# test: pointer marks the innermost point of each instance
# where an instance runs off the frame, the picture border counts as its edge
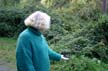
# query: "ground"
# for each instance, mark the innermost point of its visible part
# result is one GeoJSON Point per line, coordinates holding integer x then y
{"type": "Point", "coordinates": [7, 54]}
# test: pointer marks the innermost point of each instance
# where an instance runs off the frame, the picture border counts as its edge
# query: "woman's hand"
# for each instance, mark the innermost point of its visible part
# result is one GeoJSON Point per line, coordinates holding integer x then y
{"type": "Point", "coordinates": [64, 58]}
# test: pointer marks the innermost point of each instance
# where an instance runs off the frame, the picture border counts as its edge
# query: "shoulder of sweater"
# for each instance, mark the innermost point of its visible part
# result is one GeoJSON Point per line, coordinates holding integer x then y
{"type": "Point", "coordinates": [25, 34]}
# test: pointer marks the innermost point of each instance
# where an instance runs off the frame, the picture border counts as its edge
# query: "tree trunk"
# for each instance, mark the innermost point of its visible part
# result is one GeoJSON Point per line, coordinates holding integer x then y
{"type": "Point", "coordinates": [104, 7]}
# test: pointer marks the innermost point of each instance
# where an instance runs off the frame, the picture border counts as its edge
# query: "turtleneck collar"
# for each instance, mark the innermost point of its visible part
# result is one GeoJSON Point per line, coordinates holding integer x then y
{"type": "Point", "coordinates": [34, 30]}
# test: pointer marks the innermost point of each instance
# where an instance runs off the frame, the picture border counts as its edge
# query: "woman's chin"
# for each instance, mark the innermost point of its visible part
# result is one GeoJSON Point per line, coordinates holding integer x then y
{"type": "Point", "coordinates": [44, 30]}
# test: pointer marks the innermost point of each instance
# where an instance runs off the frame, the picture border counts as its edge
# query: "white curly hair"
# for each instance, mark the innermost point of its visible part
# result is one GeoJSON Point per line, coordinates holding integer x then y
{"type": "Point", "coordinates": [37, 18]}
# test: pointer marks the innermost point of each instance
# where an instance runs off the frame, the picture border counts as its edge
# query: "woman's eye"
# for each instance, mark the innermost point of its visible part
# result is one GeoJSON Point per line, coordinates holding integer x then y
{"type": "Point", "coordinates": [32, 20]}
{"type": "Point", "coordinates": [42, 24]}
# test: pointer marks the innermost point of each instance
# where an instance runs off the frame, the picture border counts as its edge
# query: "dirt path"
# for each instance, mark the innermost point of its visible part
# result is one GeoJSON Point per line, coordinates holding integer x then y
{"type": "Point", "coordinates": [3, 67]}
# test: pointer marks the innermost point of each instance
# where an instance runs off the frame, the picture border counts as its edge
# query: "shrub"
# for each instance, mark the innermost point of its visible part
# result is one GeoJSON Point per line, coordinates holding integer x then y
{"type": "Point", "coordinates": [11, 20]}
{"type": "Point", "coordinates": [80, 64]}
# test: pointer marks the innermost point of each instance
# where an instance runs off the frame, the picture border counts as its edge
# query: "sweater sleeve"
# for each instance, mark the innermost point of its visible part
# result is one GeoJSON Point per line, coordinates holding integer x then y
{"type": "Point", "coordinates": [54, 55]}
{"type": "Point", "coordinates": [24, 55]}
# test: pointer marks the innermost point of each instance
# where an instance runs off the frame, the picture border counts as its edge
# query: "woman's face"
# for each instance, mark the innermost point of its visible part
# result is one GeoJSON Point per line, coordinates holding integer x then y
{"type": "Point", "coordinates": [42, 27]}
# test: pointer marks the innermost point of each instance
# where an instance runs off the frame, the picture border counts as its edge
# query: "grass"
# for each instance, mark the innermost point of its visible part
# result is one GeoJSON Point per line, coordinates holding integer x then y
{"type": "Point", "coordinates": [7, 51]}
{"type": "Point", "coordinates": [76, 63]}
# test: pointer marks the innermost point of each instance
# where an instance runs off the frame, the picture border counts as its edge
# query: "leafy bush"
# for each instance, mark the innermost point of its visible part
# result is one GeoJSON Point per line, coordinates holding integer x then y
{"type": "Point", "coordinates": [11, 20]}
{"type": "Point", "coordinates": [80, 64]}
{"type": "Point", "coordinates": [89, 39]}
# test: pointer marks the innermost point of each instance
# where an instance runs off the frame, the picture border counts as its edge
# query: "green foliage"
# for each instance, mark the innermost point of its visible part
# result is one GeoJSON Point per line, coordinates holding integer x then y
{"type": "Point", "coordinates": [90, 40]}
{"type": "Point", "coordinates": [11, 19]}
{"type": "Point", "coordinates": [9, 3]}
{"type": "Point", "coordinates": [80, 64]}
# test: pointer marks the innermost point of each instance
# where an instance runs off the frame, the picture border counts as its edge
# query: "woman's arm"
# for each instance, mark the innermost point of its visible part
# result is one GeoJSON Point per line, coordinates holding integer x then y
{"type": "Point", "coordinates": [54, 55]}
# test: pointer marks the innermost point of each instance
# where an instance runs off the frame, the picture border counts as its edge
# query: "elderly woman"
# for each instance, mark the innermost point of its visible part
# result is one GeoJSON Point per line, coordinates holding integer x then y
{"type": "Point", "coordinates": [33, 52]}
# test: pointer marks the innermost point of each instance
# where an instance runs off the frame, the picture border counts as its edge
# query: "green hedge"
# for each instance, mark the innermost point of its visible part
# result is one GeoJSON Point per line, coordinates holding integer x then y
{"type": "Point", "coordinates": [88, 38]}
{"type": "Point", "coordinates": [11, 22]}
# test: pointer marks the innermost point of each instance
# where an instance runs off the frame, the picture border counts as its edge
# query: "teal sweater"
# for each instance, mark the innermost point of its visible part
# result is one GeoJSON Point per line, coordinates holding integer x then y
{"type": "Point", "coordinates": [33, 52]}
